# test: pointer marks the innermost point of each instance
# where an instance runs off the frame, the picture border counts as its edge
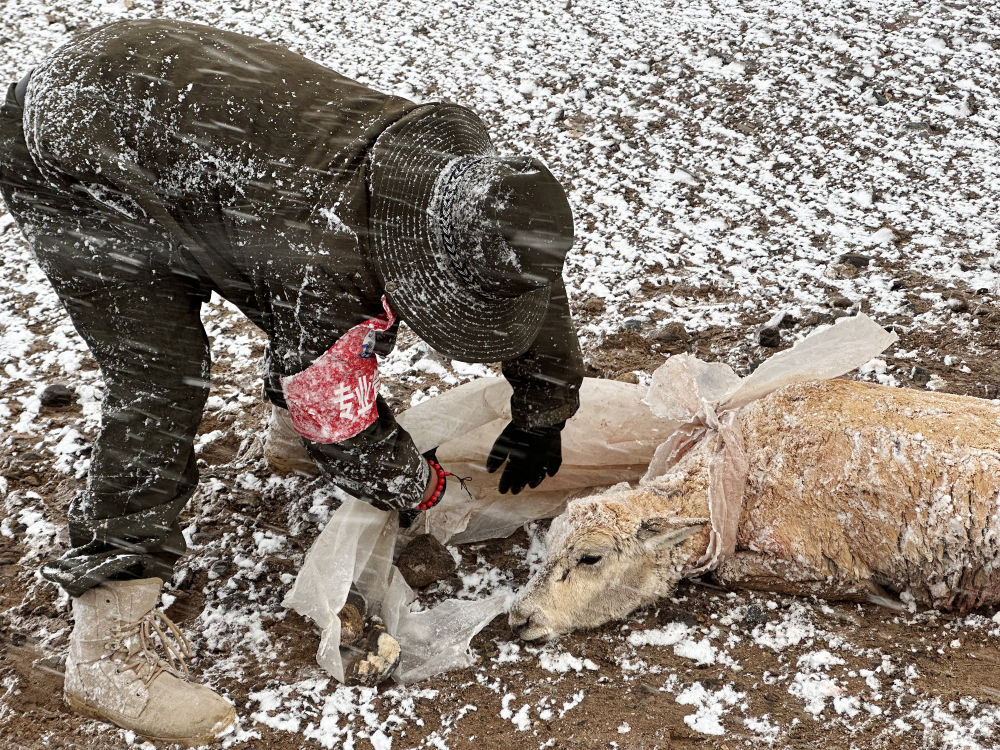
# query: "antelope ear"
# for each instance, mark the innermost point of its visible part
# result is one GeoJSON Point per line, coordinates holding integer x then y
{"type": "Point", "coordinates": [657, 533]}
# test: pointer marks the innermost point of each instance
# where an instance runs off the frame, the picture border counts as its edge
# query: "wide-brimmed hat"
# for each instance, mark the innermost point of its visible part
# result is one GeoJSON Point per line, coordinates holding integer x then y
{"type": "Point", "coordinates": [468, 243]}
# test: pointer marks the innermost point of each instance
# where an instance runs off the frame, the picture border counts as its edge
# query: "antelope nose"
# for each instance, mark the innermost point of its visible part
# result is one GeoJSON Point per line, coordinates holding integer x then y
{"type": "Point", "coordinates": [519, 622]}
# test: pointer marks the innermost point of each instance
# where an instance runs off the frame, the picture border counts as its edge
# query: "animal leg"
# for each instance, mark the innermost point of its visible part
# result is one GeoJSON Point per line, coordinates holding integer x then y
{"type": "Point", "coordinates": [758, 572]}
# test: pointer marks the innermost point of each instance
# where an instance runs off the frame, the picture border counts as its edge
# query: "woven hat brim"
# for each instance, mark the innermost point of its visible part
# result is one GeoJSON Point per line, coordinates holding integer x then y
{"type": "Point", "coordinates": [444, 309]}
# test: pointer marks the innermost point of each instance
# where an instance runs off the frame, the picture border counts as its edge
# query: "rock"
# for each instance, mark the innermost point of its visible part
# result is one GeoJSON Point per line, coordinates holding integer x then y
{"type": "Point", "coordinates": [672, 333]}
{"type": "Point", "coordinates": [753, 617]}
{"type": "Point", "coordinates": [784, 321]}
{"type": "Point", "coordinates": [769, 337]}
{"type": "Point", "coordinates": [683, 616]}
{"type": "Point", "coordinates": [958, 304]}
{"type": "Point", "coordinates": [840, 271]}
{"type": "Point", "coordinates": [632, 324]}
{"type": "Point", "coordinates": [841, 302]}
{"type": "Point", "coordinates": [57, 395]}
{"type": "Point", "coordinates": [219, 569]}
{"type": "Point", "coordinates": [247, 498]}
{"type": "Point", "coordinates": [920, 375]}
{"type": "Point", "coordinates": [817, 319]}
{"type": "Point", "coordinates": [856, 259]}
{"type": "Point", "coordinates": [425, 561]}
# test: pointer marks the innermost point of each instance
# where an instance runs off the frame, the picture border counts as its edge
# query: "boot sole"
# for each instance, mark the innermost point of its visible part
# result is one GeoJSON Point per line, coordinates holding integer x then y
{"type": "Point", "coordinates": [92, 712]}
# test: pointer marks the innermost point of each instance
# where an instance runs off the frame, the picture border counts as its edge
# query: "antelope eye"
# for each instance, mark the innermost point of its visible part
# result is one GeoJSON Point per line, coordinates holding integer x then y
{"type": "Point", "coordinates": [590, 559]}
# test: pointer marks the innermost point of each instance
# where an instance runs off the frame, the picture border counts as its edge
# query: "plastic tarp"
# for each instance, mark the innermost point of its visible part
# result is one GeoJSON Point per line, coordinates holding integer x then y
{"type": "Point", "coordinates": [711, 395]}
{"type": "Point", "coordinates": [621, 433]}
{"type": "Point", "coordinates": [611, 439]}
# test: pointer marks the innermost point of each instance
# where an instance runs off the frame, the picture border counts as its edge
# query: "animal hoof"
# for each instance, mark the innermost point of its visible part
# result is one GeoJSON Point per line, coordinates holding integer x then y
{"type": "Point", "coordinates": [352, 619]}
{"type": "Point", "coordinates": [378, 660]}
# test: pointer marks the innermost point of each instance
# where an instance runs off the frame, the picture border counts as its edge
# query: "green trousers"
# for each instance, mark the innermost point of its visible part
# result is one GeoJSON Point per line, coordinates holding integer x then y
{"type": "Point", "coordinates": [137, 309]}
{"type": "Point", "coordinates": [141, 322]}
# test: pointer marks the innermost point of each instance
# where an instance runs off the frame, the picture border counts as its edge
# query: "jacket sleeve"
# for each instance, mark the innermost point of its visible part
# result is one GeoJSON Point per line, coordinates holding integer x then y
{"type": "Point", "coordinates": [379, 465]}
{"type": "Point", "coordinates": [546, 379]}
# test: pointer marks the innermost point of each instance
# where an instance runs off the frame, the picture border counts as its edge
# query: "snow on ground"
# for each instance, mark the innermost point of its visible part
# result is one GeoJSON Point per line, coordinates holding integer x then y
{"type": "Point", "coordinates": [729, 165]}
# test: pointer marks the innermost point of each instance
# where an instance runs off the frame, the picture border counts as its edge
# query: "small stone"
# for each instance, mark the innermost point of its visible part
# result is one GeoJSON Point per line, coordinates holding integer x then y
{"type": "Point", "coordinates": [840, 271]}
{"type": "Point", "coordinates": [219, 569]}
{"type": "Point", "coordinates": [769, 337]}
{"type": "Point", "coordinates": [683, 616]}
{"type": "Point", "coordinates": [958, 304]}
{"type": "Point", "coordinates": [57, 395]}
{"type": "Point", "coordinates": [199, 538]}
{"type": "Point", "coordinates": [425, 561]}
{"type": "Point", "coordinates": [856, 259]}
{"type": "Point", "coordinates": [840, 302]}
{"type": "Point", "coordinates": [787, 320]}
{"type": "Point", "coordinates": [632, 324]}
{"type": "Point", "coordinates": [672, 333]}
{"type": "Point", "coordinates": [247, 498]}
{"type": "Point", "coordinates": [920, 375]}
{"type": "Point", "coordinates": [753, 617]}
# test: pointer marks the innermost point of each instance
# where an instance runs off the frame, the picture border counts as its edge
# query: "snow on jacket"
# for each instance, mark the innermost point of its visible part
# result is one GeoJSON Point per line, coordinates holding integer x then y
{"type": "Point", "coordinates": [253, 160]}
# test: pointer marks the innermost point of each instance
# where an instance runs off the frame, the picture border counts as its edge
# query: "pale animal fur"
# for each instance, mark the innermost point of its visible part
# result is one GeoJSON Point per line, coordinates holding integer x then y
{"type": "Point", "coordinates": [855, 491]}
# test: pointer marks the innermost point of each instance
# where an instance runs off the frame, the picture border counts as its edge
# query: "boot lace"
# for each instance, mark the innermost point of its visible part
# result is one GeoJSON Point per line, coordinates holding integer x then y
{"type": "Point", "coordinates": [137, 642]}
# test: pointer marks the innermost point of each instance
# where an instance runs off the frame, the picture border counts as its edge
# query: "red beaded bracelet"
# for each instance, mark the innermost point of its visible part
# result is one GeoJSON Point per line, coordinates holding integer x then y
{"type": "Point", "coordinates": [439, 490]}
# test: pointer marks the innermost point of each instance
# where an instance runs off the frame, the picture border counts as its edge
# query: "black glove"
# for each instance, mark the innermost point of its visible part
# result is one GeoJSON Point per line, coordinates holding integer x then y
{"type": "Point", "coordinates": [533, 453]}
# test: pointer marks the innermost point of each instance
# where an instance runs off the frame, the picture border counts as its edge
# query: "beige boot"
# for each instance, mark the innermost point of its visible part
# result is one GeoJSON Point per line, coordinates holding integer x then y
{"type": "Point", "coordinates": [113, 673]}
{"type": "Point", "coordinates": [283, 446]}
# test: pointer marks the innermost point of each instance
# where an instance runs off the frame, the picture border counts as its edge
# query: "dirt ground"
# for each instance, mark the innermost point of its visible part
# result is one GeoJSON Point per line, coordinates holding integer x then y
{"type": "Point", "coordinates": [623, 686]}
{"type": "Point", "coordinates": [732, 167]}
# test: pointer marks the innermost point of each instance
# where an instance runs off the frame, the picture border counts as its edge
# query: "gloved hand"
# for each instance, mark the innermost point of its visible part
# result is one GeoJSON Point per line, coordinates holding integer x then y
{"type": "Point", "coordinates": [533, 453]}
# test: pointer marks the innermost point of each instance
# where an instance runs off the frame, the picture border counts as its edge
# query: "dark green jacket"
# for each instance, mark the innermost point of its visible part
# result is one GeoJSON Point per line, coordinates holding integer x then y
{"type": "Point", "coordinates": [253, 161]}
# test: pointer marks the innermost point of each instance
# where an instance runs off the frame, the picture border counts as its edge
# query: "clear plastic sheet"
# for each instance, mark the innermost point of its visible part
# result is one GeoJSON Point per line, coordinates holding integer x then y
{"type": "Point", "coordinates": [707, 397]}
{"type": "Point", "coordinates": [621, 433]}
{"type": "Point", "coordinates": [610, 440]}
